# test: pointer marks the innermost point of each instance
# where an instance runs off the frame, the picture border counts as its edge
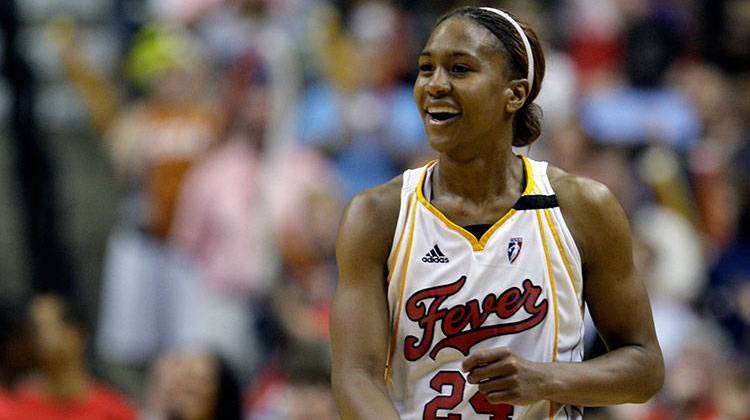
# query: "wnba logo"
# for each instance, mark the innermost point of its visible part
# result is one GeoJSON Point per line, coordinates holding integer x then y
{"type": "Point", "coordinates": [514, 248]}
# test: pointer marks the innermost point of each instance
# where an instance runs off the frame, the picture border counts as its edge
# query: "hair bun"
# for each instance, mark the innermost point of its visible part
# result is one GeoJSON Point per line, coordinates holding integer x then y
{"type": "Point", "coordinates": [527, 125]}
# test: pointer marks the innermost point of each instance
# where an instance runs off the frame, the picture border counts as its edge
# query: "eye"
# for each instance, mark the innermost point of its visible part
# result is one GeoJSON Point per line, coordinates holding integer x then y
{"type": "Point", "coordinates": [425, 67]}
{"type": "Point", "coordinates": [460, 68]}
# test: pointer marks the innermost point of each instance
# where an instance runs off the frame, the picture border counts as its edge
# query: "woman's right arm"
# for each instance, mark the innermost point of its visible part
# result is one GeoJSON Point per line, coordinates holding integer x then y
{"type": "Point", "coordinates": [359, 318]}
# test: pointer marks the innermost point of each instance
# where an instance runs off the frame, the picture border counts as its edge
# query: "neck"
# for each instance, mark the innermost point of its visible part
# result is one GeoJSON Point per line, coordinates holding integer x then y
{"type": "Point", "coordinates": [64, 382]}
{"type": "Point", "coordinates": [480, 178]}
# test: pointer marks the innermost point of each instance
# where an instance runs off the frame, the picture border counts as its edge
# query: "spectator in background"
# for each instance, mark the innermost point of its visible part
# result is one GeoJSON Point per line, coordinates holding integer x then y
{"type": "Point", "coordinates": [709, 163]}
{"type": "Point", "coordinates": [239, 32]}
{"type": "Point", "coordinates": [246, 210]}
{"type": "Point", "coordinates": [150, 298]}
{"type": "Point", "coordinates": [720, 166]}
{"type": "Point", "coordinates": [675, 320]}
{"type": "Point", "coordinates": [62, 387]}
{"type": "Point", "coordinates": [732, 393]}
{"type": "Point", "coordinates": [668, 225]}
{"type": "Point", "coordinates": [362, 113]}
{"type": "Point", "coordinates": [222, 223]}
{"type": "Point", "coordinates": [728, 293]}
{"type": "Point", "coordinates": [294, 386]}
{"type": "Point", "coordinates": [152, 144]}
{"type": "Point", "coordinates": [623, 51]}
{"type": "Point", "coordinates": [154, 140]}
{"type": "Point", "coordinates": [308, 212]}
{"type": "Point", "coordinates": [193, 385]}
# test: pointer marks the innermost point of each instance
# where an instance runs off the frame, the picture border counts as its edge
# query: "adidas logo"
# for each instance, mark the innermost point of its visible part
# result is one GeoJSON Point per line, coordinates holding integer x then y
{"type": "Point", "coordinates": [435, 256]}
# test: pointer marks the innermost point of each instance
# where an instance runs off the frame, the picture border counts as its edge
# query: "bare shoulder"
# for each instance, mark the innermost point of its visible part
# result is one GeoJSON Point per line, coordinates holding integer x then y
{"type": "Point", "coordinates": [580, 190]}
{"type": "Point", "coordinates": [591, 211]}
{"type": "Point", "coordinates": [378, 205]}
{"type": "Point", "coordinates": [370, 220]}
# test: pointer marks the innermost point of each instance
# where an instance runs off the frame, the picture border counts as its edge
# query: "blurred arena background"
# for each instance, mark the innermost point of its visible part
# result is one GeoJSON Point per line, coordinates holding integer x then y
{"type": "Point", "coordinates": [172, 174]}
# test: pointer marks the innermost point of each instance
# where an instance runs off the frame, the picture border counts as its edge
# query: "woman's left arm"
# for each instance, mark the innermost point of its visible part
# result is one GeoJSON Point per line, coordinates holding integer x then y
{"type": "Point", "coordinates": [632, 370]}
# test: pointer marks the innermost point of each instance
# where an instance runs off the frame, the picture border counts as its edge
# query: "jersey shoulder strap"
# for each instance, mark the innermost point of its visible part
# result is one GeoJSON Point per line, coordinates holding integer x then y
{"type": "Point", "coordinates": [409, 184]}
{"type": "Point", "coordinates": [541, 195]}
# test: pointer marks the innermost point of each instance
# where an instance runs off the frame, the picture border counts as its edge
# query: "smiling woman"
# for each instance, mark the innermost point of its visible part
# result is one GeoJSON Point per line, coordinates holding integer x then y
{"type": "Point", "coordinates": [465, 59]}
{"type": "Point", "coordinates": [463, 283]}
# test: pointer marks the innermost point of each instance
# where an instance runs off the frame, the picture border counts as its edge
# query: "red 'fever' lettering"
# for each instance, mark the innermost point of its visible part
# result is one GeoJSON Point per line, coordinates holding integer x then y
{"type": "Point", "coordinates": [455, 319]}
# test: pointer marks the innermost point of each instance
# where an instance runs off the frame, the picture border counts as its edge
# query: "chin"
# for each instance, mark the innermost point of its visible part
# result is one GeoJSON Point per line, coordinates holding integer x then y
{"type": "Point", "coordinates": [441, 144]}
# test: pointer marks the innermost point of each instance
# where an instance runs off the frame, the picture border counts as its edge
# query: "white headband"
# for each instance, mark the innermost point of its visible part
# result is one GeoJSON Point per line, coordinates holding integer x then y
{"type": "Point", "coordinates": [526, 43]}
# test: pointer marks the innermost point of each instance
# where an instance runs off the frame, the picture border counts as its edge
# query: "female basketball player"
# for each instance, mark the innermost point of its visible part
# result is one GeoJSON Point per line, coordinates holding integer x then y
{"type": "Point", "coordinates": [462, 283]}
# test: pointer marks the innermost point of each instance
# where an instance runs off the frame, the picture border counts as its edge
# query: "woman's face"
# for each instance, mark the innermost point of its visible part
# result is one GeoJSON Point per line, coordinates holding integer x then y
{"type": "Point", "coordinates": [186, 385]}
{"type": "Point", "coordinates": [57, 341]}
{"type": "Point", "coordinates": [462, 87]}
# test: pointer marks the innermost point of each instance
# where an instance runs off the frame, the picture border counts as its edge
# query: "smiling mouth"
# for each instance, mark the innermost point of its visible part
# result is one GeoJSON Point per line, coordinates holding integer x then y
{"type": "Point", "coordinates": [442, 117]}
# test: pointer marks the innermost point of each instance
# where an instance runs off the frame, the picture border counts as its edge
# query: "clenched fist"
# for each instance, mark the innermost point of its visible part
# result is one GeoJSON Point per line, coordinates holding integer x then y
{"type": "Point", "coordinates": [504, 377]}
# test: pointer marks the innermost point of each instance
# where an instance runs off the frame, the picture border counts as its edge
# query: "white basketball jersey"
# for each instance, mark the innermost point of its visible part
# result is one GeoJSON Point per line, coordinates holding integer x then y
{"type": "Point", "coordinates": [450, 294]}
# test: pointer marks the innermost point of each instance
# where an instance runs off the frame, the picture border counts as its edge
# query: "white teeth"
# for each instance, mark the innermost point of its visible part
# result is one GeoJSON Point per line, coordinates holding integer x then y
{"type": "Point", "coordinates": [441, 110]}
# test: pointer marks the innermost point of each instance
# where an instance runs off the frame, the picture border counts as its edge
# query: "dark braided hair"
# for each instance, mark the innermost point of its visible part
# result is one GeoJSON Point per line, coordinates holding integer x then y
{"type": "Point", "coordinates": [527, 123]}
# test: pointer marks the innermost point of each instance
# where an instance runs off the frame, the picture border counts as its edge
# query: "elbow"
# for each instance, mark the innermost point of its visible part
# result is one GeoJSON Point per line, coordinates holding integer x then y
{"type": "Point", "coordinates": [652, 381]}
{"type": "Point", "coordinates": [341, 382]}
{"type": "Point", "coordinates": [352, 379]}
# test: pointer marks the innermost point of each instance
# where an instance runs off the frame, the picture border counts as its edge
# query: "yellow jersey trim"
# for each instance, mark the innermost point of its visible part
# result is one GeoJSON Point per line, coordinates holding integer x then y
{"type": "Point", "coordinates": [476, 244]}
{"type": "Point", "coordinates": [551, 280]}
{"type": "Point", "coordinates": [563, 254]}
{"type": "Point", "coordinates": [394, 334]}
{"type": "Point", "coordinates": [392, 260]}
{"type": "Point", "coordinates": [530, 184]}
{"type": "Point", "coordinates": [553, 408]}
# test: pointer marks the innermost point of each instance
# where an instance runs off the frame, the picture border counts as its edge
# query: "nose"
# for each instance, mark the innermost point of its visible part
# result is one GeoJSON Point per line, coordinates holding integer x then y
{"type": "Point", "coordinates": [438, 83]}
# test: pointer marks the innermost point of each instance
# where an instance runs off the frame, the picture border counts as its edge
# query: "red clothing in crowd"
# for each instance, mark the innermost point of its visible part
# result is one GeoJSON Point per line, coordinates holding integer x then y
{"type": "Point", "coordinates": [6, 406]}
{"type": "Point", "coordinates": [101, 403]}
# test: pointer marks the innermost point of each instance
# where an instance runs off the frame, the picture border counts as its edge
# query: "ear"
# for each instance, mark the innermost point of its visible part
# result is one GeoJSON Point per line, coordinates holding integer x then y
{"type": "Point", "coordinates": [516, 93]}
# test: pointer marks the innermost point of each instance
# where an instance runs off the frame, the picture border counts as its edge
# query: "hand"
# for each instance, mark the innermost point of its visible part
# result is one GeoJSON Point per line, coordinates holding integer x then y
{"type": "Point", "coordinates": [503, 377]}
{"type": "Point", "coordinates": [63, 31]}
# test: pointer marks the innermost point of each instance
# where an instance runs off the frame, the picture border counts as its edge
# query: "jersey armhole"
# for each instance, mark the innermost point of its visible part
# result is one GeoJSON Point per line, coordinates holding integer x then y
{"type": "Point", "coordinates": [410, 180]}
{"type": "Point", "coordinates": [567, 240]}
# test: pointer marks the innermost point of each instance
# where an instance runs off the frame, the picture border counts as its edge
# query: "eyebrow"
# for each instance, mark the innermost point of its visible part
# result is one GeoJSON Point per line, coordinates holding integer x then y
{"type": "Point", "coordinates": [427, 53]}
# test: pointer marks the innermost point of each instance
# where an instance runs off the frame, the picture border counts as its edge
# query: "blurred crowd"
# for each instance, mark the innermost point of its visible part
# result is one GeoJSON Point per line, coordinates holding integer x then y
{"type": "Point", "coordinates": [235, 132]}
